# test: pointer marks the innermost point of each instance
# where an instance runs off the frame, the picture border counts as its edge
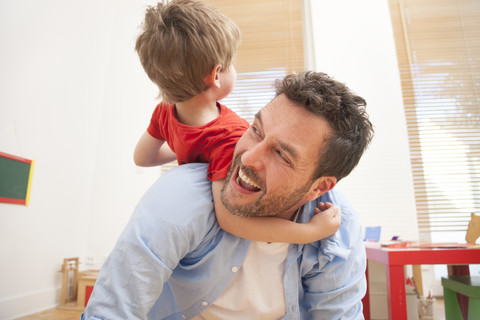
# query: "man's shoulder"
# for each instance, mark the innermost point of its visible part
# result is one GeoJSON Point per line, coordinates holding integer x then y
{"type": "Point", "coordinates": [191, 172]}
{"type": "Point", "coordinates": [187, 180]}
{"type": "Point", "coordinates": [182, 191]}
{"type": "Point", "coordinates": [337, 197]}
{"type": "Point", "coordinates": [349, 234]}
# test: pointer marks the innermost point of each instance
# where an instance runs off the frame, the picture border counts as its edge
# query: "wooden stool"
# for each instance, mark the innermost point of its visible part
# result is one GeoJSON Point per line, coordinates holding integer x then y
{"type": "Point", "coordinates": [69, 280]}
{"type": "Point", "coordinates": [86, 281]}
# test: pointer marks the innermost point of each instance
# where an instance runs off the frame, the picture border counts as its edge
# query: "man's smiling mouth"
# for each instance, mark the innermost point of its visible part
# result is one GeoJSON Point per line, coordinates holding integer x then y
{"type": "Point", "coordinates": [246, 183]}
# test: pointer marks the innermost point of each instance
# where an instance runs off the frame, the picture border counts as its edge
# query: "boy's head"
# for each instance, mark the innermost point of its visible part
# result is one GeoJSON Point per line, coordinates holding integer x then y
{"type": "Point", "coordinates": [181, 43]}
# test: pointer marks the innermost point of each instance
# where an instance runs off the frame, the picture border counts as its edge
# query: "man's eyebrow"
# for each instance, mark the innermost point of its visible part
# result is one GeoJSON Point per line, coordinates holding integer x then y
{"type": "Point", "coordinates": [284, 146]}
{"type": "Point", "coordinates": [258, 116]}
{"type": "Point", "coordinates": [289, 149]}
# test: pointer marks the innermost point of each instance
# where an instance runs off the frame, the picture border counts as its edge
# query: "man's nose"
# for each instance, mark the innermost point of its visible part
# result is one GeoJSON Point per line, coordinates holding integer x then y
{"type": "Point", "coordinates": [255, 156]}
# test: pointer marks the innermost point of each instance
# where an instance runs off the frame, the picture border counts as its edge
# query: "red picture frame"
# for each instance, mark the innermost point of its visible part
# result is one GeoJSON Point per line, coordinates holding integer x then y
{"type": "Point", "coordinates": [15, 179]}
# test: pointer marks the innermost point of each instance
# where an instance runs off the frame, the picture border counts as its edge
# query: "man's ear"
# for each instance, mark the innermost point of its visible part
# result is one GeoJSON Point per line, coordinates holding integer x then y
{"type": "Point", "coordinates": [213, 78]}
{"type": "Point", "coordinates": [321, 186]}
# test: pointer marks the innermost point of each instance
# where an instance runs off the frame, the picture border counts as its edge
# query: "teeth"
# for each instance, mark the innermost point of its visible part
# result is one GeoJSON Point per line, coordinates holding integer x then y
{"type": "Point", "coordinates": [242, 176]}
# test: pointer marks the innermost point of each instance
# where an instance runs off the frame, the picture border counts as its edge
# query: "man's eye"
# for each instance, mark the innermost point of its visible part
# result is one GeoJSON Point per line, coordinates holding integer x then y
{"type": "Point", "coordinates": [255, 130]}
{"type": "Point", "coordinates": [282, 155]}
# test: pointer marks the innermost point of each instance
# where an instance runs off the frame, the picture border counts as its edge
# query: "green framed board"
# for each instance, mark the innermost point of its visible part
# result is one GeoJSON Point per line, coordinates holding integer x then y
{"type": "Point", "coordinates": [15, 178]}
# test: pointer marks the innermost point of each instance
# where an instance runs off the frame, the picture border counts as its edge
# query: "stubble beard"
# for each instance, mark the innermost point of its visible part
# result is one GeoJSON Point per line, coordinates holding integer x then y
{"type": "Point", "coordinates": [265, 205]}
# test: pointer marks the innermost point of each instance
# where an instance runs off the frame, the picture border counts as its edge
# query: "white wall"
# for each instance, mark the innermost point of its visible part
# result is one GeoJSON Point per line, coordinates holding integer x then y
{"type": "Point", "coordinates": [74, 98]}
{"type": "Point", "coordinates": [353, 42]}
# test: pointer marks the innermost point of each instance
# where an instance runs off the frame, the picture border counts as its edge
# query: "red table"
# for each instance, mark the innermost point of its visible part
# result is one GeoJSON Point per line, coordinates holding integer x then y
{"type": "Point", "coordinates": [395, 259]}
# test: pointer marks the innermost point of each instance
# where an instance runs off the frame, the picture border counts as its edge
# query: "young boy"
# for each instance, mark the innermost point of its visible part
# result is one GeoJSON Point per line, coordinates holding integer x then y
{"type": "Point", "coordinates": [186, 48]}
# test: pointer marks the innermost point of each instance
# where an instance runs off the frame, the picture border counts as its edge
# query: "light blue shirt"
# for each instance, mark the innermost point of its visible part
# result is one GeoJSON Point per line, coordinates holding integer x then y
{"type": "Point", "coordinates": [173, 260]}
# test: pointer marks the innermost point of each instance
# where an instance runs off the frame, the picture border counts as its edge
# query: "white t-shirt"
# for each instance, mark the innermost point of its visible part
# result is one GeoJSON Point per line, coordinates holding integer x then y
{"type": "Point", "coordinates": [256, 292]}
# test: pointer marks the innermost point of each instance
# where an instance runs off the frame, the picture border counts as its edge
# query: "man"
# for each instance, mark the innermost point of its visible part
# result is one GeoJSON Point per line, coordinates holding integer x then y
{"type": "Point", "coordinates": [174, 262]}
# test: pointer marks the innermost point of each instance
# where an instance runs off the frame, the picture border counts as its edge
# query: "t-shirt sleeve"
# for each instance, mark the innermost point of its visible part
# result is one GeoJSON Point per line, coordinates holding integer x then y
{"type": "Point", "coordinates": [221, 153]}
{"type": "Point", "coordinates": [222, 156]}
{"type": "Point", "coordinates": [154, 126]}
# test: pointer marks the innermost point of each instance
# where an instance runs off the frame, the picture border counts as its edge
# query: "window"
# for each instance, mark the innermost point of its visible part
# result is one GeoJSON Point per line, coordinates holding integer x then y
{"type": "Point", "coordinates": [438, 50]}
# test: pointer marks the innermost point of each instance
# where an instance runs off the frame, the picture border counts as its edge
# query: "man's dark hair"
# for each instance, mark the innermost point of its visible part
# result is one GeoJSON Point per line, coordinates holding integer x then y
{"type": "Point", "coordinates": [345, 112]}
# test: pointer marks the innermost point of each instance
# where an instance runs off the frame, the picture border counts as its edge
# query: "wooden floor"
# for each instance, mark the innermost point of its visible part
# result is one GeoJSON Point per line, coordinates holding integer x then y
{"type": "Point", "coordinates": [57, 314]}
{"type": "Point", "coordinates": [439, 310]}
{"type": "Point", "coordinates": [54, 314]}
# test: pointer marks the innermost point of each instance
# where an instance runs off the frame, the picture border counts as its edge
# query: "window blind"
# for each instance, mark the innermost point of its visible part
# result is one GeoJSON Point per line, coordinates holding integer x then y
{"type": "Point", "coordinates": [438, 51]}
{"type": "Point", "coordinates": [271, 47]}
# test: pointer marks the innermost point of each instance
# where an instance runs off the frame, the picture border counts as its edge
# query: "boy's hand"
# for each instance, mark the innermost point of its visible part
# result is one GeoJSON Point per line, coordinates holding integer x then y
{"type": "Point", "coordinates": [326, 220]}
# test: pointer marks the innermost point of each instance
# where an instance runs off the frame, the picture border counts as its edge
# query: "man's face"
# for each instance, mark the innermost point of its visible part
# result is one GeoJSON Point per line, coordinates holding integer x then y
{"type": "Point", "coordinates": [273, 162]}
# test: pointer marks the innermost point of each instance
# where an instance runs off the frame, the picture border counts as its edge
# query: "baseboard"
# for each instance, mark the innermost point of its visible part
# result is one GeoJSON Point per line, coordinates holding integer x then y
{"type": "Point", "coordinates": [21, 306]}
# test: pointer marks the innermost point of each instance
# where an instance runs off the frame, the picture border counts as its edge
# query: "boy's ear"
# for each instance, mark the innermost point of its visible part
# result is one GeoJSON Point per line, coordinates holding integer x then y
{"type": "Point", "coordinates": [321, 186]}
{"type": "Point", "coordinates": [213, 78]}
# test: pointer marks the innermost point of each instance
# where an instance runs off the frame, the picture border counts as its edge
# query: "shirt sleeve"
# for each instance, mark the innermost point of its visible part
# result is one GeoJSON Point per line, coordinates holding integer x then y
{"type": "Point", "coordinates": [336, 284]}
{"type": "Point", "coordinates": [162, 230]}
{"type": "Point", "coordinates": [154, 127]}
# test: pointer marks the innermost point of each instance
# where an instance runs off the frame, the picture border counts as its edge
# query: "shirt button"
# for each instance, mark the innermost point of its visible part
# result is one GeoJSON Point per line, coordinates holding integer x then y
{"type": "Point", "coordinates": [234, 269]}
{"type": "Point", "coordinates": [204, 303]}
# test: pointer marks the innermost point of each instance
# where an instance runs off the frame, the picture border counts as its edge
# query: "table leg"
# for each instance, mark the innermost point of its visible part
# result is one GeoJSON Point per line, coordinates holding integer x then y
{"type": "Point", "coordinates": [417, 277]}
{"type": "Point", "coordinates": [397, 302]}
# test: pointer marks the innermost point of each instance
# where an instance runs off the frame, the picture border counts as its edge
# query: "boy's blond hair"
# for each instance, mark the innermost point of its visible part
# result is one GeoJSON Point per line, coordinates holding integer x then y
{"type": "Point", "coordinates": [180, 44]}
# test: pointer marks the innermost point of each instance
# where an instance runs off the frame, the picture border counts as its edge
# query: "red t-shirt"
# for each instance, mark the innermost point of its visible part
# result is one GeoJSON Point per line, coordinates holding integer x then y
{"type": "Point", "coordinates": [211, 143]}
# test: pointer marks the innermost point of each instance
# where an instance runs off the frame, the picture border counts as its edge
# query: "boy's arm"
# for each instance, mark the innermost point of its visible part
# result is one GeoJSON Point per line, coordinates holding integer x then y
{"type": "Point", "coordinates": [272, 229]}
{"type": "Point", "coordinates": [151, 152]}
